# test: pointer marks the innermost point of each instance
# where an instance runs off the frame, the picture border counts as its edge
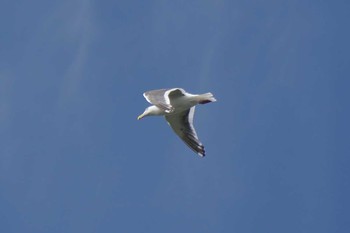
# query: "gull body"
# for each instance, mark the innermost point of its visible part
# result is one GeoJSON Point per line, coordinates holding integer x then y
{"type": "Point", "coordinates": [178, 107]}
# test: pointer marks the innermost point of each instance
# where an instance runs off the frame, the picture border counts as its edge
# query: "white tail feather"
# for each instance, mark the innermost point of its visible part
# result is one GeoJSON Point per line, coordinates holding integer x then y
{"type": "Point", "coordinates": [206, 98]}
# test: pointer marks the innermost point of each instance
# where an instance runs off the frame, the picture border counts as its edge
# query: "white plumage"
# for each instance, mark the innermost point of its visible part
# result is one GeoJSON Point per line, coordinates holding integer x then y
{"type": "Point", "coordinates": [178, 107]}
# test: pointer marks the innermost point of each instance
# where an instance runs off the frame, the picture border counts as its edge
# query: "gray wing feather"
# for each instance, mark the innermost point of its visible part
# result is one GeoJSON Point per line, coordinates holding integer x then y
{"type": "Point", "coordinates": [175, 93]}
{"type": "Point", "coordinates": [182, 124]}
{"type": "Point", "coordinates": [162, 97]}
{"type": "Point", "coordinates": [157, 97]}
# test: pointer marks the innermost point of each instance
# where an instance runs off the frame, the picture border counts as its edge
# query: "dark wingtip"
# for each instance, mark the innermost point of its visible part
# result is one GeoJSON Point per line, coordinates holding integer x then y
{"type": "Point", "coordinates": [205, 101]}
{"type": "Point", "coordinates": [201, 153]}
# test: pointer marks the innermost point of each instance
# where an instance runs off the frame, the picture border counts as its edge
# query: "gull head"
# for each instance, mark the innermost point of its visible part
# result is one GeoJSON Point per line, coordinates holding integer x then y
{"type": "Point", "coordinates": [151, 111]}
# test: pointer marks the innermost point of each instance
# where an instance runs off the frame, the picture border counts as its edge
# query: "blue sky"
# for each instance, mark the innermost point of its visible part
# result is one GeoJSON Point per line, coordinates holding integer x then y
{"type": "Point", "coordinates": [73, 157]}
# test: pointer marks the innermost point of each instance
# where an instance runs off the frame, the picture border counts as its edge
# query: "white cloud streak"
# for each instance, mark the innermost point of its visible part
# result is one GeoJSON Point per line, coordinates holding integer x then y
{"type": "Point", "coordinates": [79, 29]}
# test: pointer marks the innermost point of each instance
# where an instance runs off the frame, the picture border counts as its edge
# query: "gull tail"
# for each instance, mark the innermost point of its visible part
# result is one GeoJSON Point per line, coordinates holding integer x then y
{"type": "Point", "coordinates": [206, 98]}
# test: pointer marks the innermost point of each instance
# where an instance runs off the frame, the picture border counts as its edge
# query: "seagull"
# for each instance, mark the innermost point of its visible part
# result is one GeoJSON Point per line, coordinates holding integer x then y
{"type": "Point", "coordinates": [178, 108]}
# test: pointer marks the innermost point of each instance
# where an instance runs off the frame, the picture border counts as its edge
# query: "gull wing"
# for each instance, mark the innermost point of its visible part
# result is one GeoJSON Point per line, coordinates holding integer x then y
{"type": "Point", "coordinates": [174, 93]}
{"type": "Point", "coordinates": [182, 124]}
{"type": "Point", "coordinates": [161, 98]}
{"type": "Point", "coordinates": [157, 98]}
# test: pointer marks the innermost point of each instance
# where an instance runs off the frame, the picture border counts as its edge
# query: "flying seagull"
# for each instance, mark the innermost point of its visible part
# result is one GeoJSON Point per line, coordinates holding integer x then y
{"type": "Point", "coordinates": [178, 108]}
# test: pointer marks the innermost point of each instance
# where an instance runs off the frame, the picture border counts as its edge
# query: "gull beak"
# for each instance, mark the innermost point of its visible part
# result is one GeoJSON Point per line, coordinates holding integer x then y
{"type": "Point", "coordinates": [140, 117]}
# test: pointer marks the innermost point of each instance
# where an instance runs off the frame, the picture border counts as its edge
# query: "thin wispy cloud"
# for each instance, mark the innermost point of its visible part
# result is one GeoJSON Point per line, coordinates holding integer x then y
{"type": "Point", "coordinates": [78, 30]}
{"type": "Point", "coordinates": [5, 121]}
{"type": "Point", "coordinates": [5, 99]}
